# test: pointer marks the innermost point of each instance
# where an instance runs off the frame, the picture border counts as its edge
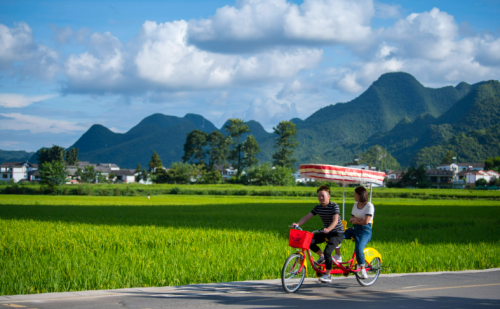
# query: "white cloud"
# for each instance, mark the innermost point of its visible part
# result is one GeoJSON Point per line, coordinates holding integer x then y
{"type": "Point", "coordinates": [12, 100]}
{"type": "Point", "coordinates": [61, 35]}
{"type": "Point", "coordinates": [256, 24]}
{"type": "Point", "coordinates": [385, 11]}
{"type": "Point", "coordinates": [429, 35]}
{"type": "Point", "coordinates": [17, 122]}
{"type": "Point", "coordinates": [161, 58]}
{"type": "Point", "coordinates": [269, 112]}
{"type": "Point", "coordinates": [428, 46]}
{"type": "Point", "coordinates": [19, 55]}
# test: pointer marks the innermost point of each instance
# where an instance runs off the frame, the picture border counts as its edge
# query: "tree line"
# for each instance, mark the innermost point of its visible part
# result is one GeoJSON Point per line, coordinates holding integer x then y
{"type": "Point", "coordinates": [203, 152]}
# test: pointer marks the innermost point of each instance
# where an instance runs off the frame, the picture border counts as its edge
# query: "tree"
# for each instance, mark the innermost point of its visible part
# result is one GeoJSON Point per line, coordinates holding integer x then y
{"type": "Point", "coordinates": [250, 149]}
{"type": "Point", "coordinates": [88, 174]}
{"type": "Point", "coordinates": [138, 173]}
{"type": "Point", "coordinates": [415, 177]}
{"type": "Point", "coordinates": [448, 158]}
{"type": "Point", "coordinates": [99, 177]}
{"type": "Point", "coordinates": [211, 177]}
{"type": "Point", "coordinates": [54, 153]}
{"type": "Point", "coordinates": [111, 177]}
{"type": "Point", "coordinates": [494, 181]}
{"type": "Point", "coordinates": [492, 163]}
{"type": "Point", "coordinates": [145, 175]}
{"type": "Point", "coordinates": [155, 162]}
{"type": "Point", "coordinates": [236, 128]}
{"type": "Point", "coordinates": [53, 174]}
{"type": "Point", "coordinates": [71, 156]}
{"type": "Point", "coordinates": [285, 143]}
{"type": "Point", "coordinates": [264, 175]}
{"type": "Point", "coordinates": [194, 147]}
{"type": "Point", "coordinates": [481, 182]}
{"type": "Point", "coordinates": [218, 149]}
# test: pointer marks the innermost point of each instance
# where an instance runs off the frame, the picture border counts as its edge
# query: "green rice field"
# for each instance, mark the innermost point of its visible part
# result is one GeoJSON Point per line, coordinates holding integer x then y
{"type": "Point", "coordinates": [71, 243]}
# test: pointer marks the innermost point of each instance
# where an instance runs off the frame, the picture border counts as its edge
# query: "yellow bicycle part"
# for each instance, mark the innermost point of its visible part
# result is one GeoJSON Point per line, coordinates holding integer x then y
{"type": "Point", "coordinates": [370, 254]}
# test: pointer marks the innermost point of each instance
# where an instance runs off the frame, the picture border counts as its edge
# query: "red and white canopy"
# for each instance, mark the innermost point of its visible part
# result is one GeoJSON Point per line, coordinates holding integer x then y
{"type": "Point", "coordinates": [340, 174]}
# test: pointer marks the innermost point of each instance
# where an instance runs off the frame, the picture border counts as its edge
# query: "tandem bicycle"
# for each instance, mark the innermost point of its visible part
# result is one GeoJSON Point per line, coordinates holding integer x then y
{"type": "Point", "coordinates": [295, 267]}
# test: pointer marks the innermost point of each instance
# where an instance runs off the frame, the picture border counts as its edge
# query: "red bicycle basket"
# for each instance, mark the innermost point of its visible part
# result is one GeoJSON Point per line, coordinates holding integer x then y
{"type": "Point", "coordinates": [300, 239]}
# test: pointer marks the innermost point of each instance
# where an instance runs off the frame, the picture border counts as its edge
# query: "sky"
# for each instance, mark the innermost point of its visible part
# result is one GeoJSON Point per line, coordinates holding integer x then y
{"type": "Point", "coordinates": [66, 65]}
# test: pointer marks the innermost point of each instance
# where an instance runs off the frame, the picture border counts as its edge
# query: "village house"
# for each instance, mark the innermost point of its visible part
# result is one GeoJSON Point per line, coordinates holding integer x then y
{"type": "Point", "coordinates": [17, 171]}
{"type": "Point", "coordinates": [25, 171]}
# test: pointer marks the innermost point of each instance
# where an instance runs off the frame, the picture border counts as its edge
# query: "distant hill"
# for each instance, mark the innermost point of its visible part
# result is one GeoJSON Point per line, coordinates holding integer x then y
{"type": "Point", "coordinates": [327, 134]}
{"type": "Point", "coordinates": [161, 133]}
{"type": "Point", "coordinates": [478, 109]}
{"type": "Point", "coordinates": [473, 146]}
{"type": "Point", "coordinates": [396, 112]}
{"type": "Point", "coordinates": [14, 156]}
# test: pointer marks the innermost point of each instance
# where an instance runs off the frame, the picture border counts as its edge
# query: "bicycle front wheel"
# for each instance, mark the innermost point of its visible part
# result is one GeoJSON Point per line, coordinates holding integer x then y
{"type": "Point", "coordinates": [372, 270]}
{"type": "Point", "coordinates": [291, 278]}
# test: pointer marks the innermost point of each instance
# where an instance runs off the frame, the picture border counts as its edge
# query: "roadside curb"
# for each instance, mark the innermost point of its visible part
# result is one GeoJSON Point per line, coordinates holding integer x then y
{"type": "Point", "coordinates": [193, 287]}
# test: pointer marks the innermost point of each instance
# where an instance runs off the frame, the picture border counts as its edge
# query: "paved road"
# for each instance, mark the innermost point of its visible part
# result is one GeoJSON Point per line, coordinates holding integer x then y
{"type": "Point", "coordinates": [468, 289]}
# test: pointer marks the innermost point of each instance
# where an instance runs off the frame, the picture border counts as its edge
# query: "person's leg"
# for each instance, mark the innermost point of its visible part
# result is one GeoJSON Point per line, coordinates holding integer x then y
{"type": "Point", "coordinates": [333, 241]}
{"type": "Point", "coordinates": [318, 238]}
{"type": "Point", "coordinates": [364, 236]}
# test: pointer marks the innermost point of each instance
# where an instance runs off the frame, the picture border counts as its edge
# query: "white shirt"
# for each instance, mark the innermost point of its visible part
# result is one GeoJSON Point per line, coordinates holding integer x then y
{"type": "Point", "coordinates": [368, 209]}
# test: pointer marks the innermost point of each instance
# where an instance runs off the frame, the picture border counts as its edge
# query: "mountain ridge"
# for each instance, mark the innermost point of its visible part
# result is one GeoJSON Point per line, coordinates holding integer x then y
{"type": "Point", "coordinates": [332, 135]}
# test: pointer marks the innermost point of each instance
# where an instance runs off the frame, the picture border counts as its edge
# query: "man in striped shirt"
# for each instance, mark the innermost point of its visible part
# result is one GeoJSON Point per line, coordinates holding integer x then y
{"type": "Point", "coordinates": [332, 233]}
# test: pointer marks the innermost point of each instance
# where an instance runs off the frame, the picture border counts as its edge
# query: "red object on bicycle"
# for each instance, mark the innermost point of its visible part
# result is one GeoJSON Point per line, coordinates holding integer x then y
{"type": "Point", "coordinates": [300, 239]}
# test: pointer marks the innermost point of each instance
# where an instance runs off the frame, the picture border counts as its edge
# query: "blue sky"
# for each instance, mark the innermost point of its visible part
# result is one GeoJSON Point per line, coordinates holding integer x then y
{"type": "Point", "coordinates": [65, 65]}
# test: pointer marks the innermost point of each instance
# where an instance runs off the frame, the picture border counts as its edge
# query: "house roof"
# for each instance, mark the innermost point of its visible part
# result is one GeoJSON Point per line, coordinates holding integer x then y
{"type": "Point", "coordinates": [108, 165]}
{"type": "Point", "coordinates": [436, 172]}
{"type": "Point", "coordinates": [124, 172]}
{"type": "Point", "coordinates": [13, 164]}
{"type": "Point", "coordinates": [394, 172]}
{"type": "Point", "coordinates": [463, 173]}
{"type": "Point", "coordinates": [471, 164]}
{"type": "Point", "coordinates": [493, 173]}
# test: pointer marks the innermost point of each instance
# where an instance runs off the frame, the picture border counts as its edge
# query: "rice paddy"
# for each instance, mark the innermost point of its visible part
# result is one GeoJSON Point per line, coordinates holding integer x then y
{"type": "Point", "coordinates": [71, 243]}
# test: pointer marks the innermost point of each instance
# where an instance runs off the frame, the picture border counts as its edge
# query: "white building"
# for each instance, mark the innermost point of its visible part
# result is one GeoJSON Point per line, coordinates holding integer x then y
{"type": "Point", "coordinates": [17, 171]}
{"type": "Point", "coordinates": [458, 167]}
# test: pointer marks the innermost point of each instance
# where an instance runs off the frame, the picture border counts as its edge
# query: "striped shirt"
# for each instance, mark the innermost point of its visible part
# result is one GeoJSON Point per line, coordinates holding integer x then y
{"type": "Point", "coordinates": [326, 213]}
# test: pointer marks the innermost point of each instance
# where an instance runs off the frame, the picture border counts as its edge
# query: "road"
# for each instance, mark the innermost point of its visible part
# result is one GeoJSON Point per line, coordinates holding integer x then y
{"type": "Point", "coordinates": [467, 289]}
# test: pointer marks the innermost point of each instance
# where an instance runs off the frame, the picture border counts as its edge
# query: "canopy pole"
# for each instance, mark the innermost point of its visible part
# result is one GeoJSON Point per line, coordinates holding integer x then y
{"type": "Point", "coordinates": [370, 192]}
{"type": "Point", "coordinates": [343, 200]}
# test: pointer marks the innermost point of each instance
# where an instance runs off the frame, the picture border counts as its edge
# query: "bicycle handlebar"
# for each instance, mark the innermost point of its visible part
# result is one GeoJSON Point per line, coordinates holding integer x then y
{"type": "Point", "coordinates": [300, 229]}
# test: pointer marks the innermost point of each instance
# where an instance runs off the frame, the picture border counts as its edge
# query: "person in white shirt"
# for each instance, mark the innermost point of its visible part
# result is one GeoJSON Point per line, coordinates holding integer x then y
{"type": "Point", "coordinates": [361, 218]}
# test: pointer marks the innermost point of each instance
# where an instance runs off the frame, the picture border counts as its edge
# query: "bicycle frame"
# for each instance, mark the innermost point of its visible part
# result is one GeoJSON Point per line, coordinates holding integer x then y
{"type": "Point", "coordinates": [340, 270]}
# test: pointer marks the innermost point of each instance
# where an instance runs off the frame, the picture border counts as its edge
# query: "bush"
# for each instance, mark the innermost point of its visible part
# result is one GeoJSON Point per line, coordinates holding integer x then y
{"type": "Point", "coordinates": [481, 182]}
{"type": "Point", "coordinates": [264, 175]}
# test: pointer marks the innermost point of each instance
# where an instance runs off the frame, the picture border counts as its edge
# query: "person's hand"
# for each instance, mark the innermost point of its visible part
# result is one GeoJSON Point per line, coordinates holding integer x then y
{"type": "Point", "coordinates": [295, 225]}
{"type": "Point", "coordinates": [325, 230]}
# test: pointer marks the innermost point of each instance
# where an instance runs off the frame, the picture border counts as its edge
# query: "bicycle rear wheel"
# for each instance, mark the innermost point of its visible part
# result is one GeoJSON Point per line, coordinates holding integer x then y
{"type": "Point", "coordinates": [373, 271]}
{"type": "Point", "coordinates": [291, 279]}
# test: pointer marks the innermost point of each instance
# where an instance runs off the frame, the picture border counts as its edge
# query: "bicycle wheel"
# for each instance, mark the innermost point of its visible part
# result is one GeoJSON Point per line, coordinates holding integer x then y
{"type": "Point", "coordinates": [291, 279]}
{"type": "Point", "coordinates": [373, 272]}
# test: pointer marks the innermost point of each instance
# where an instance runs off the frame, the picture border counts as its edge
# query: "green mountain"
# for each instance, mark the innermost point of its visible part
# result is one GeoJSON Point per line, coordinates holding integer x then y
{"type": "Point", "coordinates": [14, 156]}
{"type": "Point", "coordinates": [380, 158]}
{"type": "Point", "coordinates": [161, 133]}
{"type": "Point", "coordinates": [396, 112]}
{"type": "Point", "coordinates": [474, 146]}
{"type": "Point", "coordinates": [479, 109]}
{"type": "Point", "coordinates": [331, 134]}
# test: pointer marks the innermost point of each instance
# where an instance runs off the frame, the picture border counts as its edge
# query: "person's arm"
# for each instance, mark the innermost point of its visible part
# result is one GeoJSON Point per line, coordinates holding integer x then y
{"type": "Point", "coordinates": [304, 219]}
{"type": "Point", "coordinates": [360, 221]}
{"type": "Point", "coordinates": [333, 225]}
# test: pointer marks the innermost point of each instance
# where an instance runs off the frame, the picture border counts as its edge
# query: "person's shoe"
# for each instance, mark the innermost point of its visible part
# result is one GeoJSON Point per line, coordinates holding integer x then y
{"type": "Point", "coordinates": [363, 274]}
{"type": "Point", "coordinates": [338, 258]}
{"type": "Point", "coordinates": [326, 278]}
{"type": "Point", "coordinates": [321, 260]}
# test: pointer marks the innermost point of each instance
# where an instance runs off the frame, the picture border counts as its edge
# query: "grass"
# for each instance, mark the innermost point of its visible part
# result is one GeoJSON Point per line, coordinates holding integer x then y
{"type": "Point", "coordinates": [239, 190]}
{"type": "Point", "coordinates": [68, 243]}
